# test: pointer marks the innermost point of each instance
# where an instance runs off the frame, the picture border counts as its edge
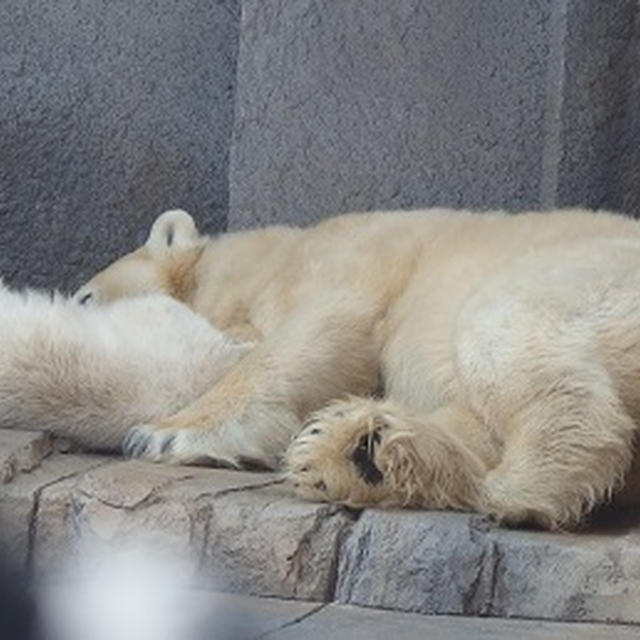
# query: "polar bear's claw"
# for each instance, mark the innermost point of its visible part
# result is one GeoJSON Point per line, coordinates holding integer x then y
{"type": "Point", "coordinates": [144, 441]}
{"type": "Point", "coordinates": [135, 443]}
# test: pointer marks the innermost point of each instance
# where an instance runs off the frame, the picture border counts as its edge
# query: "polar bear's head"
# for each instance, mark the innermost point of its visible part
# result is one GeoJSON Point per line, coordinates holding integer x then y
{"type": "Point", "coordinates": [161, 265]}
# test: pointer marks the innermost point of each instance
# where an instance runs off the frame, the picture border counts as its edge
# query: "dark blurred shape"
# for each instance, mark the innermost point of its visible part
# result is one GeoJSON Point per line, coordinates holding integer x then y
{"type": "Point", "coordinates": [18, 612]}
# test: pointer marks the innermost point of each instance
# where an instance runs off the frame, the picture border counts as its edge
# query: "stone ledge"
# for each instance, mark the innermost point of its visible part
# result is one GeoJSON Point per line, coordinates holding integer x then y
{"type": "Point", "coordinates": [248, 535]}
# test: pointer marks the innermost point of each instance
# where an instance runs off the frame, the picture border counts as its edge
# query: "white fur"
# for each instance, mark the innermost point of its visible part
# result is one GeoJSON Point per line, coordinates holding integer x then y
{"type": "Point", "coordinates": [508, 348]}
{"type": "Point", "coordinates": [91, 373]}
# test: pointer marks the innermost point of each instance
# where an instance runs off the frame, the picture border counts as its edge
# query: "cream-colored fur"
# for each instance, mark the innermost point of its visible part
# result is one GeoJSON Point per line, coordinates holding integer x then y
{"type": "Point", "coordinates": [507, 349]}
{"type": "Point", "coordinates": [90, 374]}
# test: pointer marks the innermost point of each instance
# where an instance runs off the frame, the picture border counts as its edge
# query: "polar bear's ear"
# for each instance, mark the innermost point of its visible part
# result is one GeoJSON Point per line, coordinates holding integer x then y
{"type": "Point", "coordinates": [173, 229]}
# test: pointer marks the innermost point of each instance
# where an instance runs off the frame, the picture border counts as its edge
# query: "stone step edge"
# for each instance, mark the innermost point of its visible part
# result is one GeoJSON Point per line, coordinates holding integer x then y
{"type": "Point", "coordinates": [265, 543]}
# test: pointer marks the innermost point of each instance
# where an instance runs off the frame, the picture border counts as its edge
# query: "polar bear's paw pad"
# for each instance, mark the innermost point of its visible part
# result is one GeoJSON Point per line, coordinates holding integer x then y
{"type": "Point", "coordinates": [336, 456]}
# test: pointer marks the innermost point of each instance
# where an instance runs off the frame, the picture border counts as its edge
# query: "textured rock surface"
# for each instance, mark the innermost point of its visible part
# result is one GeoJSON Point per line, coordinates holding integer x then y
{"type": "Point", "coordinates": [244, 533]}
{"type": "Point", "coordinates": [20, 503]}
{"type": "Point", "coordinates": [264, 542]}
{"type": "Point", "coordinates": [21, 451]}
{"type": "Point", "coordinates": [109, 113]}
{"type": "Point", "coordinates": [458, 564]}
{"type": "Point", "coordinates": [446, 563]}
{"type": "Point", "coordinates": [567, 577]}
{"type": "Point", "coordinates": [128, 502]}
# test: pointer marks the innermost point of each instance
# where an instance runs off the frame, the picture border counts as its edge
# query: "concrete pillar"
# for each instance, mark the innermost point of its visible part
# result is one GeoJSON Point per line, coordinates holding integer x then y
{"type": "Point", "coordinates": [360, 105]}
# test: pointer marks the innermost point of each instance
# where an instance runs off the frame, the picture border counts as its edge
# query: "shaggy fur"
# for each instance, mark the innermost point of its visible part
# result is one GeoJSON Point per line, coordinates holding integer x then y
{"type": "Point", "coordinates": [90, 374]}
{"type": "Point", "coordinates": [507, 348]}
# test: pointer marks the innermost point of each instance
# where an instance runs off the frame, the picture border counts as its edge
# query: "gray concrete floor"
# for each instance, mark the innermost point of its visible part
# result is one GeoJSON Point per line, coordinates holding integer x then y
{"type": "Point", "coordinates": [257, 618]}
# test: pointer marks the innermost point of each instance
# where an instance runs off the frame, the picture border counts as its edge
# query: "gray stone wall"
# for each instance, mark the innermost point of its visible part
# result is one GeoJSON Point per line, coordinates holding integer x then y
{"type": "Point", "coordinates": [110, 111]}
{"type": "Point", "coordinates": [599, 128]}
{"type": "Point", "coordinates": [361, 105]}
{"type": "Point", "coordinates": [257, 111]}
{"type": "Point", "coordinates": [486, 104]}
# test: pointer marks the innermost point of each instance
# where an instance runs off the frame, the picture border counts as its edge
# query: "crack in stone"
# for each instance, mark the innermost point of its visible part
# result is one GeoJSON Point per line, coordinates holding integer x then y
{"type": "Point", "coordinates": [209, 510]}
{"type": "Point", "coordinates": [295, 564]}
{"type": "Point", "coordinates": [294, 621]}
{"type": "Point", "coordinates": [334, 566]}
{"type": "Point", "coordinates": [225, 492]}
{"type": "Point", "coordinates": [151, 498]}
{"type": "Point", "coordinates": [35, 510]}
{"type": "Point", "coordinates": [202, 555]}
{"type": "Point", "coordinates": [362, 543]}
{"type": "Point", "coordinates": [302, 546]}
{"type": "Point", "coordinates": [495, 572]}
{"type": "Point", "coordinates": [321, 516]}
{"type": "Point", "coordinates": [478, 534]}
{"type": "Point", "coordinates": [248, 487]}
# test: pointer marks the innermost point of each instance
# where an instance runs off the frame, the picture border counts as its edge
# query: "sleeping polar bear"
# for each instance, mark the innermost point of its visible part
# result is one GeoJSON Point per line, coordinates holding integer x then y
{"type": "Point", "coordinates": [506, 350]}
{"type": "Point", "coordinates": [90, 374]}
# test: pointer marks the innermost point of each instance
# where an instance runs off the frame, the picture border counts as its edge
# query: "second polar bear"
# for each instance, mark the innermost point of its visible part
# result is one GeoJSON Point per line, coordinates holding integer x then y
{"type": "Point", "coordinates": [90, 374]}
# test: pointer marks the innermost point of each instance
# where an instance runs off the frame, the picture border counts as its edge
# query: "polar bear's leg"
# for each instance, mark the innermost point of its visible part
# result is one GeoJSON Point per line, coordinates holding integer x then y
{"type": "Point", "coordinates": [362, 452]}
{"type": "Point", "coordinates": [324, 350]}
{"type": "Point", "coordinates": [569, 449]}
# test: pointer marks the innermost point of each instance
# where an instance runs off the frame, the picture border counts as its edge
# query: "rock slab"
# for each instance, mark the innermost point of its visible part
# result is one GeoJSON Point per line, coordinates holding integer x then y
{"type": "Point", "coordinates": [459, 564]}
{"type": "Point", "coordinates": [244, 533]}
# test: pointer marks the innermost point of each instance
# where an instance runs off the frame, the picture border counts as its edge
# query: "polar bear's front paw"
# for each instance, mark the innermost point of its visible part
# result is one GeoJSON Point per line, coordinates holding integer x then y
{"type": "Point", "coordinates": [338, 456]}
{"type": "Point", "coordinates": [189, 445]}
